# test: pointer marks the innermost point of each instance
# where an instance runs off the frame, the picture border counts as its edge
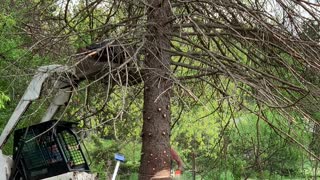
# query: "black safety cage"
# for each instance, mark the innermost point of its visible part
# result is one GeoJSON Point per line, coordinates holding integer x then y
{"type": "Point", "coordinates": [47, 149]}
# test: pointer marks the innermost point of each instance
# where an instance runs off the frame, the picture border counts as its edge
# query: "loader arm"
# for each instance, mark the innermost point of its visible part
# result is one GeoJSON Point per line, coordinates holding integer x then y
{"type": "Point", "coordinates": [33, 93]}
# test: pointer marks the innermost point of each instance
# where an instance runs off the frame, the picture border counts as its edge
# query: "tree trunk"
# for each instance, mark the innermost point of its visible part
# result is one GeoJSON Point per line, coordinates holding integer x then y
{"type": "Point", "coordinates": [155, 156]}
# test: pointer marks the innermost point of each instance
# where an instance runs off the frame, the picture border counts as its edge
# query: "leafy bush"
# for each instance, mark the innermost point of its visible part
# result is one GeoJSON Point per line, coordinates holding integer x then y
{"type": "Point", "coordinates": [102, 153]}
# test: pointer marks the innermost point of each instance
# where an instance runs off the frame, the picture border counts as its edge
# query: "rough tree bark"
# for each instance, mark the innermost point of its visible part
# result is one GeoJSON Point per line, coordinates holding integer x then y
{"type": "Point", "coordinates": [155, 156]}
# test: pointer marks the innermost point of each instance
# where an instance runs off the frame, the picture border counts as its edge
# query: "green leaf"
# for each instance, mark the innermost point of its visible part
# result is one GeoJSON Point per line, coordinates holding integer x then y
{"type": "Point", "coordinates": [3, 99]}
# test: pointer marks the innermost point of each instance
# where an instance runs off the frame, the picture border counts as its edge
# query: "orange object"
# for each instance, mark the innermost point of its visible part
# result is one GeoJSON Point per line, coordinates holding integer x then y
{"type": "Point", "coordinates": [178, 172]}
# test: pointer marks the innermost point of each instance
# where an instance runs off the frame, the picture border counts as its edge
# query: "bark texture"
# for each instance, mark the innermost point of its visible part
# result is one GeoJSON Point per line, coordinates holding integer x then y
{"type": "Point", "coordinates": [155, 157]}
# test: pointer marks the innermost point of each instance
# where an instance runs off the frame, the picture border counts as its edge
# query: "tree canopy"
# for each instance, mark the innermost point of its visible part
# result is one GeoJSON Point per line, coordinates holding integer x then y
{"type": "Point", "coordinates": [219, 79]}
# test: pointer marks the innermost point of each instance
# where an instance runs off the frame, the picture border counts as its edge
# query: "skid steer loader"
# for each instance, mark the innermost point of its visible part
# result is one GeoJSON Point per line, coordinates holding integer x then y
{"type": "Point", "coordinates": [51, 150]}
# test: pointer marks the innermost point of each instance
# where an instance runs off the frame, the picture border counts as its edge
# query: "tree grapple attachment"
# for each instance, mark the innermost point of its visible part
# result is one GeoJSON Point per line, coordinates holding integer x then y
{"type": "Point", "coordinates": [47, 149]}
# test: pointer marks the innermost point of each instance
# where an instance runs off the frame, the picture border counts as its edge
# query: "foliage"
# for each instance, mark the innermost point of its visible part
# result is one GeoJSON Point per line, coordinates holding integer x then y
{"type": "Point", "coordinates": [3, 100]}
{"type": "Point", "coordinates": [245, 79]}
{"type": "Point", "coordinates": [102, 153]}
{"type": "Point", "coordinates": [257, 147]}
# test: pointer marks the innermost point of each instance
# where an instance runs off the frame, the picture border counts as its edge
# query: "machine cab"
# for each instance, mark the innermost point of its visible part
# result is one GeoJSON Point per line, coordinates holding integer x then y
{"type": "Point", "coordinates": [47, 149]}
